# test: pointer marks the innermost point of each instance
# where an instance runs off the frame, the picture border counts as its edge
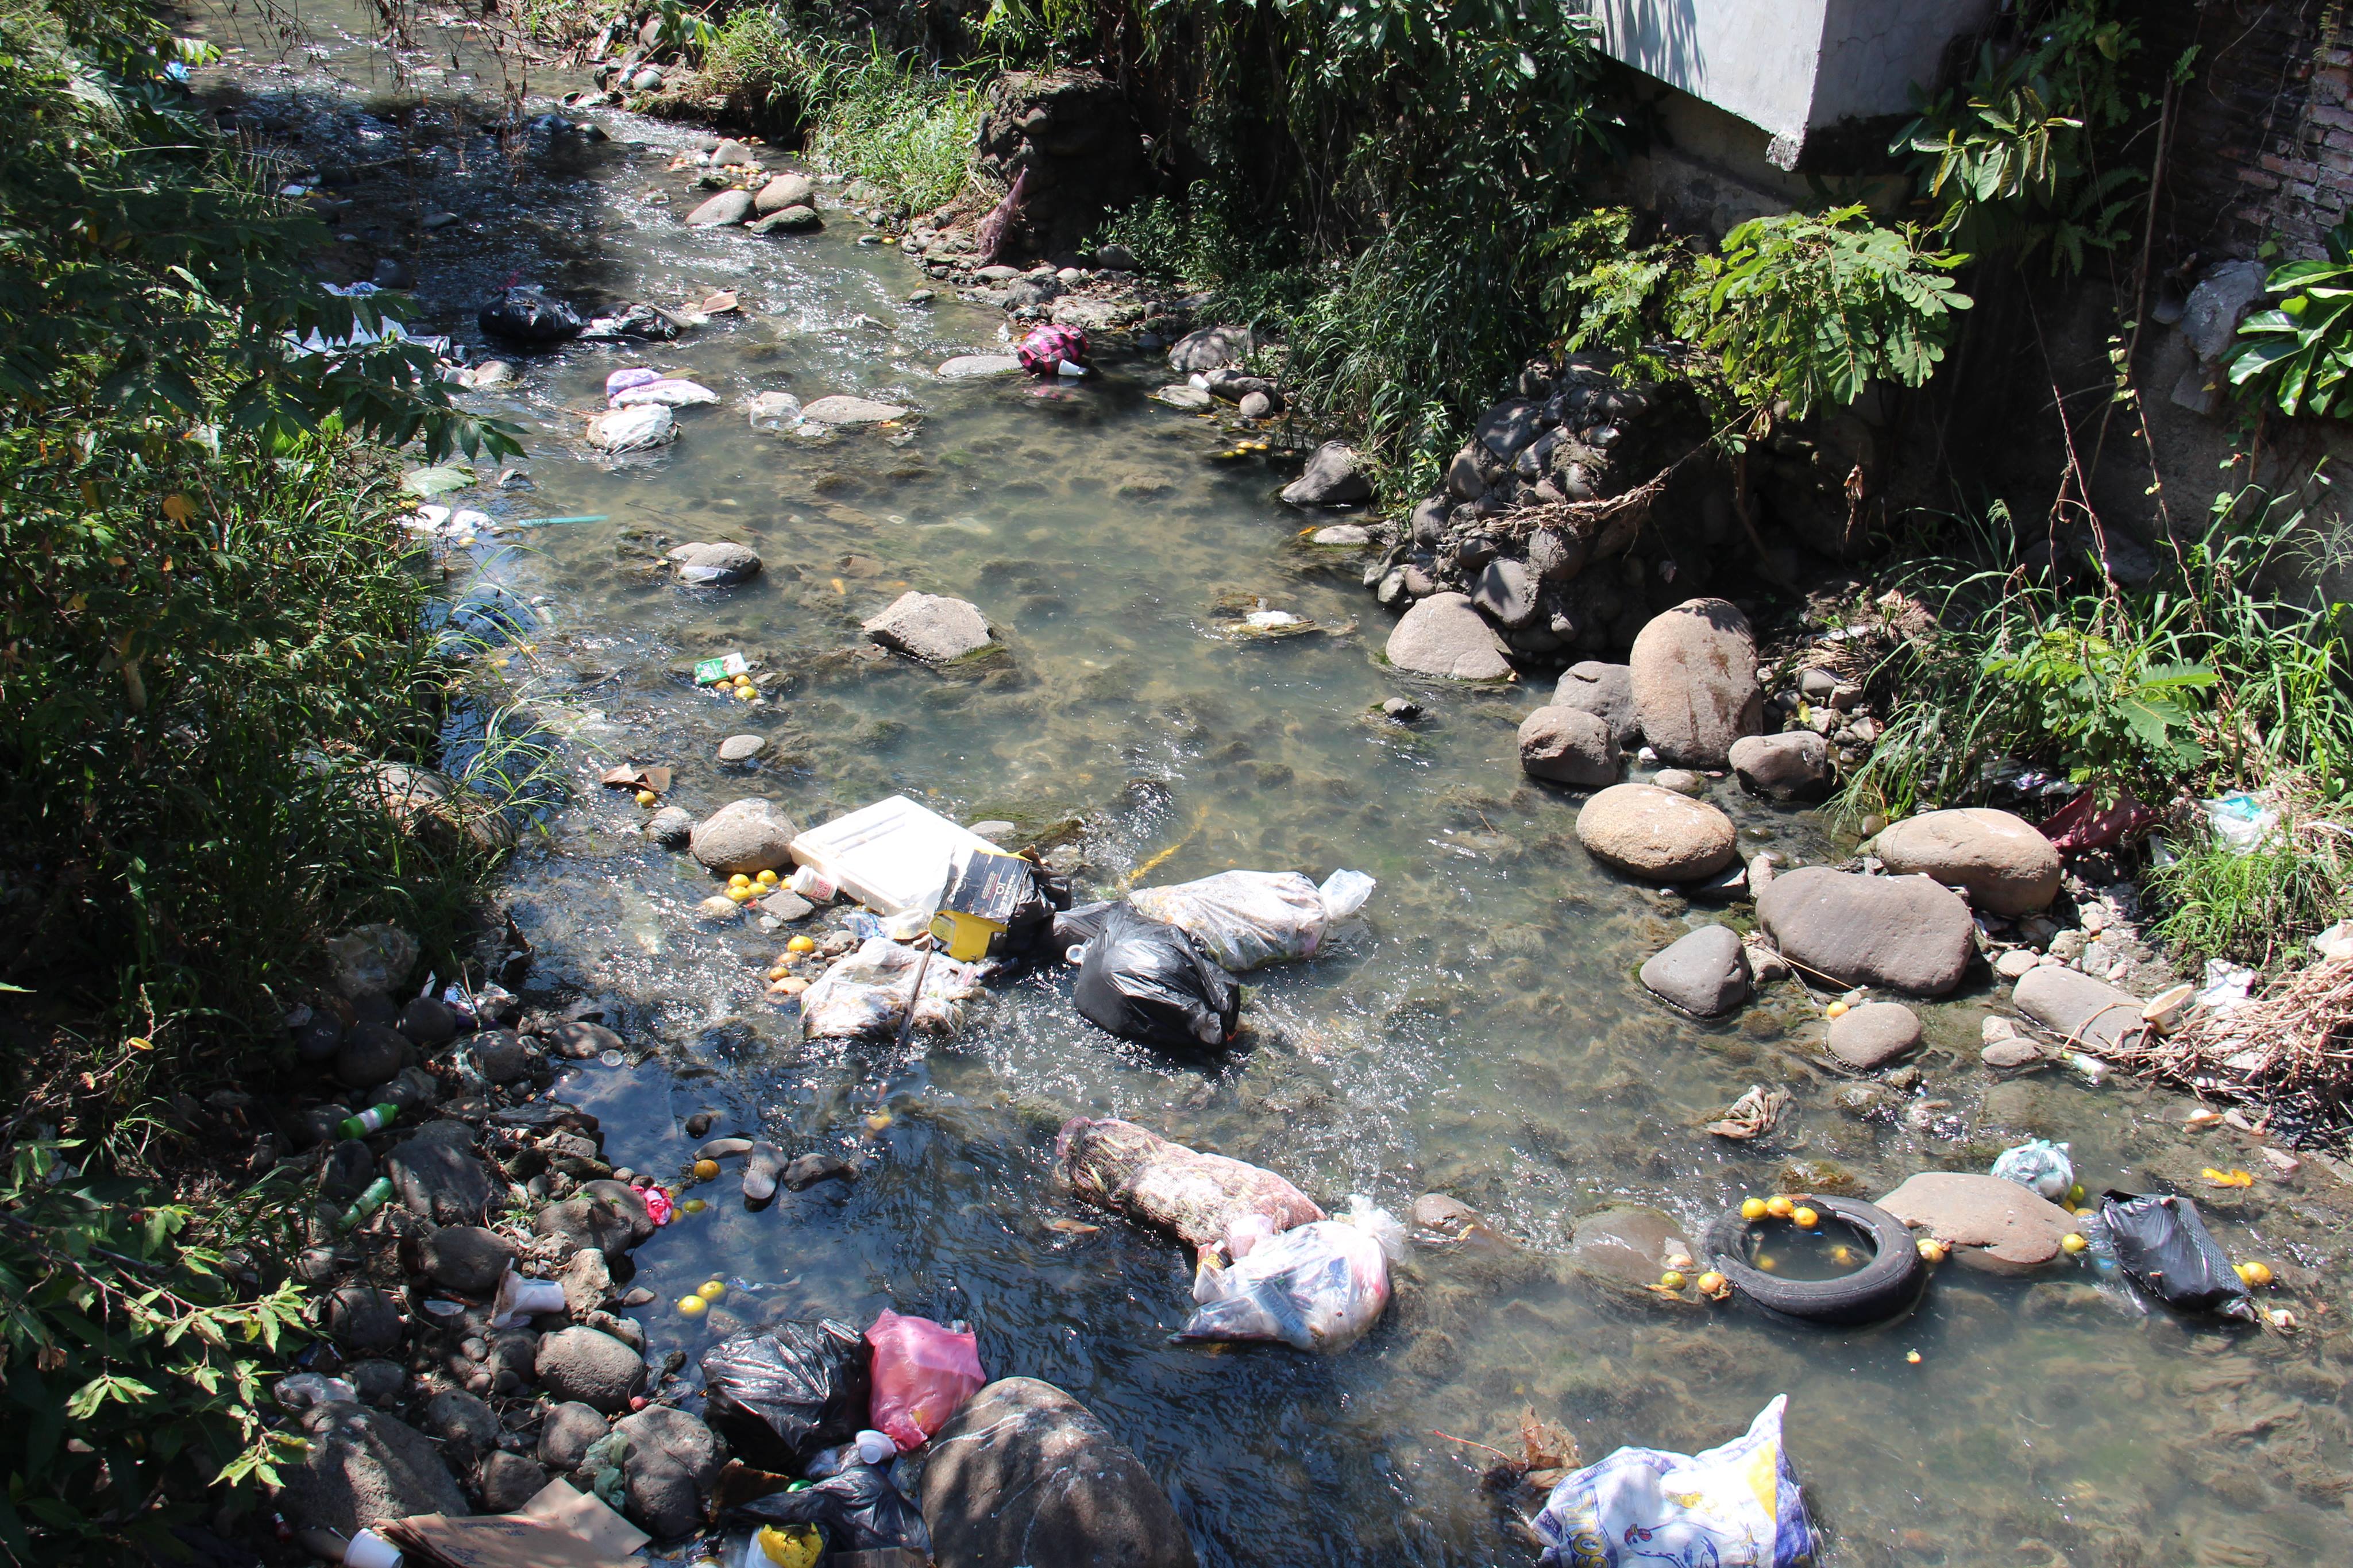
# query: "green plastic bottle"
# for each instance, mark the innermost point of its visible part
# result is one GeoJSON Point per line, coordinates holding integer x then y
{"type": "Point", "coordinates": [378, 1193]}
{"type": "Point", "coordinates": [375, 1119]}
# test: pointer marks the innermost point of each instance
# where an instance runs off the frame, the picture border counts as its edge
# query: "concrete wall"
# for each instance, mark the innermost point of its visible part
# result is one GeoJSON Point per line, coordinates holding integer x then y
{"type": "Point", "coordinates": [1790, 66]}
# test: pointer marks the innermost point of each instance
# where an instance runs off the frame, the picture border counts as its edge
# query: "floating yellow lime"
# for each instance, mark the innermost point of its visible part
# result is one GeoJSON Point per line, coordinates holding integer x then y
{"type": "Point", "coordinates": [1673, 1280]}
{"type": "Point", "coordinates": [647, 797]}
{"type": "Point", "coordinates": [1714, 1286]}
{"type": "Point", "coordinates": [1779, 1207]}
{"type": "Point", "coordinates": [2254, 1274]}
{"type": "Point", "coordinates": [693, 1206]}
{"type": "Point", "coordinates": [1932, 1249]}
{"type": "Point", "coordinates": [711, 1289]}
{"type": "Point", "coordinates": [692, 1306]}
{"type": "Point", "coordinates": [1752, 1208]}
{"type": "Point", "coordinates": [739, 880]}
{"type": "Point", "coordinates": [1835, 1010]}
{"type": "Point", "coordinates": [742, 895]}
{"type": "Point", "coordinates": [1805, 1219]}
{"type": "Point", "coordinates": [801, 945]}
{"type": "Point", "coordinates": [2072, 1243]}
{"type": "Point", "coordinates": [766, 878]}
{"type": "Point", "coordinates": [706, 1169]}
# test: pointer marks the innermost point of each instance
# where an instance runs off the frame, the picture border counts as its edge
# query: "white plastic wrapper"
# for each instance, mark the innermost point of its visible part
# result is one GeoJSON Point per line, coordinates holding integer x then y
{"type": "Point", "coordinates": [1738, 1505]}
{"type": "Point", "coordinates": [632, 429]}
{"type": "Point", "coordinates": [1314, 1286]}
{"type": "Point", "coordinates": [666, 393]}
{"type": "Point", "coordinates": [866, 993]}
{"type": "Point", "coordinates": [1244, 919]}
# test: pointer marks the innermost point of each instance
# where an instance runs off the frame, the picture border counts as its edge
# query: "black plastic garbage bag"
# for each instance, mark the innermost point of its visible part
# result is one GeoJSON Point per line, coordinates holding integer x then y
{"type": "Point", "coordinates": [780, 1396]}
{"type": "Point", "coordinates": [2163, 1247]}
{"type": "Point", "coordinates": [859, 1509]}
{"type": "Point", "coordinates": [531, 315]}
{"type": "Point", "coordinates": [1145, 980]}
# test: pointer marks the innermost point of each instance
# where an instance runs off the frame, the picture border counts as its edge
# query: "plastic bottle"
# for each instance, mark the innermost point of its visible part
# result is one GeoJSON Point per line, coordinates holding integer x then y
{"type": "Point", "coordinates": [378, 1193]}
{"type": "Point", "coordinates": [375, 1119]}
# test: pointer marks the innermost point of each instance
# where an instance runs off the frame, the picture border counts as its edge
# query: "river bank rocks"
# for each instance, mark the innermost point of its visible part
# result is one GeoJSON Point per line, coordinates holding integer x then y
{"type": "Point", "coordinates": [1024, 1473]}
{"type": "Point", "coordinates": [715, 565]}
{"type": "Point", "coordinates": [1570, 746]}
{"type": "Point", "coordinates": [1444, 636]}
{"type": "Point", "coordinates": [1606, 691]}
{"type": "Point", "coordinates": [2006, 864]}
{"type": "Point", "coordinates": [1871, 1035]}
{"type": "Point", "coordinates": [1705, 973]}
{"type": "Point", "coordinates": [1790, 769]}
{"type": "Point", "coordinates": [1655, 834]}
{"type": "Point", "coordinates": [364, 1469]}
{"type": "Point", "coordinates": [1693, 674]}
{"type": "Point", "coordinates": [2084, 1011]}
{"type": "Point", "coordinates": [933, 627]}
{"type": "Point", "coordinates": [744, 837]}
{"type": "Point", "coordinates": [1906, 933]}
{"type": "Point", "coordinates": [1071, 143]}
{"type": "Point", "coordinates": [1988, 1223]}
{"type": "Point", "coordinates": [1335, 475]}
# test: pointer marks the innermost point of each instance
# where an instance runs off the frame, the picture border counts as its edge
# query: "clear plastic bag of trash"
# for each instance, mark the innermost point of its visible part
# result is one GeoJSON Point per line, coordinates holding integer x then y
{"type": "Point", "coordinates": [667, 391]}
{"type": "Point", "coordinates": [1736, 1506]}
{"type": "Point", "coordinates": [866, 993]}
{"type": "Point", "coordinates": [2226, 986]}
{"type": "Point", "coordinates": [858, 1509]}
{"type": "Point", "coordinates": [1245, 919]}
{"type": "Point", "coordinates": [2239, 822]}
{"type": "Point", "coordinates": [922, 1373]}
{"type": "Point", "coordinates": [1316, 1287]}
{"type": "Point", "coordinates": [1145, 980]}
{"type": "Point", "coordinates": [780, 1396]}
{"type": "Point", "coordinates": [632, 429]}
{"type": "Point", "coordinates": [2163, 1247]}
{"type": "Point", "coordinates": [305, 1389]}
{"type": "Point", "coordinates": [2038, 1165]}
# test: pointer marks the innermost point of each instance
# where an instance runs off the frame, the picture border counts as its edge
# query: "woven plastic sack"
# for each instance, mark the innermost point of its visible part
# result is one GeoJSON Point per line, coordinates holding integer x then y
{"type": "Point", "coordinates": [1315, 1286]}
{"type": "Point", "coordinates": [1244, 919]}
{"type": "Point", "coordinates": [1736, 1506]}
{"type": "Point", "coordinates": [865, 993]}
{"type": "Point", "coordinates": [1043, 351]}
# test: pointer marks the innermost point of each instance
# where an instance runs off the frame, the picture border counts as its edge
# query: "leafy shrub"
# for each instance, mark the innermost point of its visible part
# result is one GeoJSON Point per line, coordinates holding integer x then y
{"type": "Point", "coordinates": [2294, 356]}
{"type": "Point", "coordinates": [134, 1357]}
{"type": "Point", "coordinates": [2009, 157]}
{"type": "Point", "coordinates": [1810, 310]}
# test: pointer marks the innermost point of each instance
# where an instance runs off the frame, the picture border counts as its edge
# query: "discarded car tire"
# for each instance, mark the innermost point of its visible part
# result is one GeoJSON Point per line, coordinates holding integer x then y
{"type": "Point", "coordinates": [1879, 1289]}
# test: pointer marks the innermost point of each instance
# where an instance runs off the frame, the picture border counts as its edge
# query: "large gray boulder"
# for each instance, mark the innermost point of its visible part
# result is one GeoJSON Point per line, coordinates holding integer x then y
{"type": "Point", "coordinates": [2077, 1008]}
{"type": "Point", "coordinates": [565, 1435]}
{"type": "Point", "coordinates": [673, 1431]}
{"type": "Point", "coordinates": [1704, 971]}
{"type": "Point", "coordinates": [1505, 592]}
{"type": "Point", "coordinates": [364, 1468]}
{"type": "Point", "coordinates": [1211, 348]}
{"type": "Point", "coordinates": [1568, 746]}
{"type": "Point", "coordinates": [726, 207]}
{"type": "Point", "coordinates": [372, 1053]}
{"type": "Point", "coordinates": [1906, 933]}
{"type": "Point", "coordinates": [592, 1367]}
{"type": "Point", "coordinates": [439, 1176]}
{"type": "Point", "coordinates": [467, 1258]}
{"type": "Point", "coordinates": [932, 627]}
{"type": "Point", "coordinates": [1793, 767]}
{"type": "Point", "coordinates": [1874, 1034]}
{"type": "Point", "coordinates": [2003, 861]}
{"type": "Point", "coordinates": [1989, 1223]}
{"type": "Point", "coordinates": [1694, 671]}
{"type": "Point", "coordinates": [659, 1495]}
{"type": "Point", "coordinates": [1606, 691]}
{"type": "Point", "coordinates": [1025, 1474]}
{"type": "Point", "coordinates": [1630, 1245]}
{"type": "Point", "coordinates": [1334, 477]}
{"type": "Point", "coordinates": [744, 837]}
{"type": "Point", "coordinates": [463, 1423]}
{"type": "Point", "coordinates": [607, 1216]}
{"type": "Point", "coordinates": [363, 1320]}
{"type": "Point", "coordinates": [509, 1480]}
{"type": "Point", "coordinates": [718, 564]}
{"type": "Point", "coordinates": [1443, 635]}
{"type": "Point", "coordinates": [841, 408]}
{"type": "Point", "coordinates": [1653, 833]}
{"type": "Point", "coordinates": [783, 190]}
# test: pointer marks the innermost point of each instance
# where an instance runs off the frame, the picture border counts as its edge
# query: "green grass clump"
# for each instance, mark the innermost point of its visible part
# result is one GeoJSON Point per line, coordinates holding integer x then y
{"type": "Point", "coordinates": [2260, 906]}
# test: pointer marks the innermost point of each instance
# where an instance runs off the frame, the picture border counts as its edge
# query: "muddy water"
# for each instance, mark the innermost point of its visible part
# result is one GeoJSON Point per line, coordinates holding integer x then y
{"type": "Point", "coordinates": [1480, 1033]}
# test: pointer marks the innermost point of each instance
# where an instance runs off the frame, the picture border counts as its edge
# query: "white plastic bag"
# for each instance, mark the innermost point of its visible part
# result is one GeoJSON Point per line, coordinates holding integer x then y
{"type": "Point", "coordinates": [1315, 1286]}
{"type": "Point", "coordinates": [866, 994]}
{"type": "Point", "coordinates": [632, 429]}
{"type": "Point", "coordinates": [1244, 919]}
{"type": "Point", "coordinates": [1736, 1506]}
{"type": "Point", "coordinates": [2239, 822]}
{"type": "Point", "coordinates": [669, 391]}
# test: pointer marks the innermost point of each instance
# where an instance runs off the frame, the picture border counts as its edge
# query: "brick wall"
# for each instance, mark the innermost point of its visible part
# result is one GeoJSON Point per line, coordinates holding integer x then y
{"type": "Point", "coordinates": [2262, 145]}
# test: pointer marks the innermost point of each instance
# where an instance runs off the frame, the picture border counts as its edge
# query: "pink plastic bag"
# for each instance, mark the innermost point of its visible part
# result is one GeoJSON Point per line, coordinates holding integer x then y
{"type": "Point", "coordinates": [923, 1373]}
{"type": "Point", "coordinates": [1043, 351]}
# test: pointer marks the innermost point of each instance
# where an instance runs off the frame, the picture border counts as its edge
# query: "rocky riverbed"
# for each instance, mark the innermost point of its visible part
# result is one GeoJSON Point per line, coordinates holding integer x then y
{"type": "Point", "coordinates": [1182, 673]}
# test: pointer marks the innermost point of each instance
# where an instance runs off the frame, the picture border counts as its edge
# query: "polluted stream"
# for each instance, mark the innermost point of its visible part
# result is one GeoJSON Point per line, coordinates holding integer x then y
{"type": "Point", "coordinates": [1478, 1031]}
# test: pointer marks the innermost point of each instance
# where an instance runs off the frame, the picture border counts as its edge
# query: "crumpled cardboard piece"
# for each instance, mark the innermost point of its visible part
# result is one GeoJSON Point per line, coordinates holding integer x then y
{"type": "Point", "coordinates": [560, 1528]}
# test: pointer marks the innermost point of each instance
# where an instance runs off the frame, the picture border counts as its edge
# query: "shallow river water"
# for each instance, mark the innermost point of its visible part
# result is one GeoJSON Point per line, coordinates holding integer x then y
{"type": "Point", "coordinates": [1479, 1033]}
